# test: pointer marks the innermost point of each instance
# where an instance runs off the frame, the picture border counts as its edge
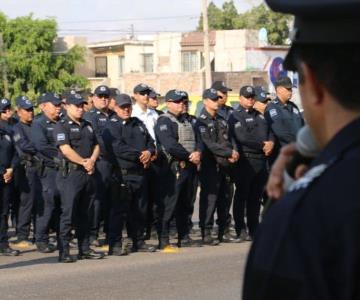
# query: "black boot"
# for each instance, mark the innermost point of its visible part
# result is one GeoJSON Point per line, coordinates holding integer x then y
{"type": "Point", "coordinates": [7, 251]}
{"type": "Point", "coordinates": [207, 238]}
{"type": "Point", "coordinates": [65, 257]}
{"type": "Point", "coordinates": [90, 254]}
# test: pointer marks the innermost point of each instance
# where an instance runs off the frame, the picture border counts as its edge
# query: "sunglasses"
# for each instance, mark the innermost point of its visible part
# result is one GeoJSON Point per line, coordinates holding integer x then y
{"type": "Point", "coordinates": [145, 93]}
{"type": "Point", "coordinates": [104, 96]}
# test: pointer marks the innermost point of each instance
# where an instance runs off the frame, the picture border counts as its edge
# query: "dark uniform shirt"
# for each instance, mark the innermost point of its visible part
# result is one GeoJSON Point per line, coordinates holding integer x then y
{"type": "Point", "coordinates": [214, 134]}
{"type": "Point", "coordinates": [22, 138]}
{"type": "Point", "coordinates": [308, 245]}
{"type": "Point", "coordinates": [250, 130]}
{"type": "Point", "coordinates": [80, 137]}
{"type": "Point", "coordinates": [225, 112]}
{"type": "Point", "coordinates": [7, 127]}
{"type": "Point", "coordinates": [125, 140]}
{"type": "Point", "coordinates": [167, 135]}
{"type": "Point", "coordinates": [42, 134]}
{"type": "Point", "coordinates": [284, 120]}
{"type": "Point", "coordinates": [8, 157]}
{"type": "Point", "coordinates": [99, 120]}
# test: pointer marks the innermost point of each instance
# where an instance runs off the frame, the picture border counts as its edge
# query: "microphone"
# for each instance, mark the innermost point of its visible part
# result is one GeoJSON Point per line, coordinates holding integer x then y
{"type": "Point", "coordinates": [307, 150]}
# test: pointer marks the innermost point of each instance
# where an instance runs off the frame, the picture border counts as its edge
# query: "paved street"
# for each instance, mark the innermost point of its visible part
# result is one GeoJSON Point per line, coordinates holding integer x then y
{"type": "Point", "coordinates": [194, 273]}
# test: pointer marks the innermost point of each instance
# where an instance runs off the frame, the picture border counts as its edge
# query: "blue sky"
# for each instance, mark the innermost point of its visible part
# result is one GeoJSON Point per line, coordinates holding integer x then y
{"type": "Point", "coordinates": [106, 19]}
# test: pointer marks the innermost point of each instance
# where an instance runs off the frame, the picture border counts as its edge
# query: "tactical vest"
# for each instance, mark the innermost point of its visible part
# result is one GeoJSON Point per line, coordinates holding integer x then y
{"type": "Point", "coordinates": [185, 132]}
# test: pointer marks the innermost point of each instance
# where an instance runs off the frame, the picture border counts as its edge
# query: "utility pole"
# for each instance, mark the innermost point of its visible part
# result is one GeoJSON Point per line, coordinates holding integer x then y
{"type": "Point", "coordinates": [3, 67]}
{"type": "Point", "coordinates": [206, 44]}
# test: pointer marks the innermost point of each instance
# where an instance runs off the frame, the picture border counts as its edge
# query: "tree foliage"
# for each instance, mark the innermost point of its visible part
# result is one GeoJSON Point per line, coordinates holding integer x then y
{"type": "Point", "coordinates": [227, 17]}
{"type": "Point", "coordinates": [31, 63]}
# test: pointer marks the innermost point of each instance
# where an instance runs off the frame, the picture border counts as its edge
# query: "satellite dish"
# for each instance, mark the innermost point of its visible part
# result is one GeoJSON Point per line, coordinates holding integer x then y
{"type": "Point", "coordinates": [263, 35]}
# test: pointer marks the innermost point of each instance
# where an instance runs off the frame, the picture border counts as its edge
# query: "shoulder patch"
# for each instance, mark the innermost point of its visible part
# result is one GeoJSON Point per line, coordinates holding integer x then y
{"type": "Point", "coordinates": [238, 125]}
{"type": "Point", "coordinates": [114, 120]}
{"type": "Point", "coordinates": [202, 129]}
{"type": "Point", "coordinates": [273, 112]}
{"type": "Point", "coordinates": [60, 137]}
{"type": "Point", "coordinates": [203, 117]}
{"type": "Point", "coordinates": [163, 127]}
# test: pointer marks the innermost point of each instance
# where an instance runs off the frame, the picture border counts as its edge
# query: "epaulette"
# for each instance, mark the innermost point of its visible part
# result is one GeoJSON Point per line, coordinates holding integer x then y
{"type": "Point", "coordinates": [203, 116]}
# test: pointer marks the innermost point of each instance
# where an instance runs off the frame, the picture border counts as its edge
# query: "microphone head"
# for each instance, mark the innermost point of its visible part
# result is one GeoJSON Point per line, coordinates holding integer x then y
{"type": "Point", "coordinates": [306, 144]}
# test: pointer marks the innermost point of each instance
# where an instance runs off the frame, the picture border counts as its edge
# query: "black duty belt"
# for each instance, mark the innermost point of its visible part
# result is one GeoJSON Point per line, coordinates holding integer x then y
{"type": "Point", "coordinates": [254, 155]}
{"type": "Point", "coordinates": [139, 172]}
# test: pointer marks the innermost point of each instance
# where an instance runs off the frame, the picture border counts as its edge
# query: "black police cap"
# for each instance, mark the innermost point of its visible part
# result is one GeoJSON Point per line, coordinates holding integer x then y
{"type": "Point", "coordinates": [142, 87]}
{"type": "Point", "coordinates": [320, 22]}
{"type": "Point", "coordinates": [75, 99]}
{"type": "Point", "coordinates": [4, 104]}
{"type": "Point", "coordinates": [123, 99]}
{"type": "Point", "coordinates": [114, 92]}
{"type": "Point", "coordinates": [261, 94]}
{"type": "Point", "coordinates": [23, 102]}
{"type": "Point", "coordinates": [174, 96]}
{"type": "Point", "coordinates": [153, 94]}
{"type": "Point", "coordinates": [102, 90]}
{"type": "Point", "coordinates": [50, 97]}
{"type": "Point", "coordinates": [247, 91]}
{"type": "Point", "coordinates": [220, 86]}
{"type": "Point", "coordinates": [210, 94]}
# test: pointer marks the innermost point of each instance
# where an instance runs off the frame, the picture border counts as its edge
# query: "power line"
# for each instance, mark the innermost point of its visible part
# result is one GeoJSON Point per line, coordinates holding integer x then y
{"type": "Point", "coordinates": [131, 19]}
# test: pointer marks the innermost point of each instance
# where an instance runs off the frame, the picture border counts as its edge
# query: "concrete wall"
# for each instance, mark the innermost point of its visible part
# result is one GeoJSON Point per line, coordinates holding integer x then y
{"type": "Point", "coordinates": [167, 53]}
{"type": "Point", "coordinates": [230, 53]}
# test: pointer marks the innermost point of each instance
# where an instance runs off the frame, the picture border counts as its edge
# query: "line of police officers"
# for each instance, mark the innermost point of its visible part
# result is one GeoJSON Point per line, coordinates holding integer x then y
{"type": "Point", "coordinates": [133, 168]}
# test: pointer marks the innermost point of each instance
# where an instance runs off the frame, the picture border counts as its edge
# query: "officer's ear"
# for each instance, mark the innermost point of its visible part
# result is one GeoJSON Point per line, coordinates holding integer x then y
{"type": "Point", "coordinates": [311, 89]}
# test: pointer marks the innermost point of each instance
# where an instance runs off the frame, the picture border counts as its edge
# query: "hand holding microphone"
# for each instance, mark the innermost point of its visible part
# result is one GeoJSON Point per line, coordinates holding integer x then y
{"type": "Point", "coordinates": [292, 163]}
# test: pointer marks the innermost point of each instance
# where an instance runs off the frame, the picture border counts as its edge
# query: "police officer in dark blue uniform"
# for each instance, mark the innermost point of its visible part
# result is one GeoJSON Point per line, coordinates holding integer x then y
{"type": "Point", "coordinates": [7, 121]}
{"type": "Point", "coordinates": [99, 117]}
{"type": "Point", "coordinates": [8, 162]}
{"type": "Point", "coordinates": [218, 158]}
{"type": "Point", "coordinates": [308, 246]}
{"type": "Point", "coordinates": [255, 143]}
{"type": "Point", "coordinates": [131, 148]}
{"type": "Point", "coordinates": [42, 135]}
{"type": "Point", "coordinates": [78, 152]}
{"type": "Point", "coordinates": [180, 152]}
{"type": "Point", "coordinates": [224, 110]}
{"type": "Point", "coordinates": [28, 181]}
{"type": "Point", "coordinates": [283, 115]}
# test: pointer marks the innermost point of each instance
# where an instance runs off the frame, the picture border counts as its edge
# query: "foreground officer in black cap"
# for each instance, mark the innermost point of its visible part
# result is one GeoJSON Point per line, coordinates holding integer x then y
{"type": "Point", "coordinates": [308, 246]}
{"type": "Point", "coordinates": [255, 142]}
{"type": "Point", "coordinates": [26, 174]}
{"type": "Point", "coordinates": [131, 148]}
{"type": "Point", "coordinates": [42, 134]}
{"type": "Point", "coordinates": [181, 152]}
{"type": "Point", "coordinates": [99, 117]}
{"type": "Point", "coordinates": [218, 157]}
{"type": "Point", "coordinates": [78, 152]}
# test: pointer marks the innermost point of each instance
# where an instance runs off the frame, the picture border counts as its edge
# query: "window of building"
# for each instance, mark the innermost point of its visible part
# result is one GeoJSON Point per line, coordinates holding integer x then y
{"type": "Point", "coordinates": [189, 61]}
{"type": "Point", "coordinates": [101, 66]}
{"type": "Point", "coordinates": [148, 63]}
{"type": "Point", "coordinates": [121, 65]}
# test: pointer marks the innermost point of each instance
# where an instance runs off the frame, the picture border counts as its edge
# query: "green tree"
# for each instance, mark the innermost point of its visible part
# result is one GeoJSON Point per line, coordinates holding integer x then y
{"type": "Point", "coordinates": [260, 16]}
{"type": "Point", "coordinates": [215, 17]}
{"type": "Point", "coordinates": [32, 65]}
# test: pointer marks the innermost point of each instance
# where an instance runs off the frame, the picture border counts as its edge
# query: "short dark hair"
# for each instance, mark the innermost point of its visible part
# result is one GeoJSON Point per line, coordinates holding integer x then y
{"type": "Point", "coordinates": [335, 66]}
